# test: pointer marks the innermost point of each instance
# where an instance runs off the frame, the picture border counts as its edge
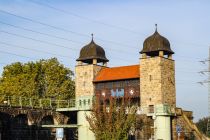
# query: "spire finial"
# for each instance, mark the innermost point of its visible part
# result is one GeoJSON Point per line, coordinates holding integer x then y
{"type": "Point", "coordinates": [92, 36]}
{"type": "Point", "coordinates": [155, 27]}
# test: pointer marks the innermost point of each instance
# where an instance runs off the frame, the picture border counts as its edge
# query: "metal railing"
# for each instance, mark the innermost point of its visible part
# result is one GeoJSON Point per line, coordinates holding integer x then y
{"type": "Point", "coordinates": [157, 110]}
{"type": "Point", "coordinates": [14, 101]}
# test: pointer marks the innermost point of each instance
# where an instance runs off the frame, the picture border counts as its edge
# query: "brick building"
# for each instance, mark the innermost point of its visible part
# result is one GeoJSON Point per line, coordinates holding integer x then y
{"type": "Point", "coordinates": [150, 84]}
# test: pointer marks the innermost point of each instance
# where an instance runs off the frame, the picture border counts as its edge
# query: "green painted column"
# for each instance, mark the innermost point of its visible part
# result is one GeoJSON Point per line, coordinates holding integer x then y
{"type": "Point", "coordinates": [84, 132]}
{"type": "Point", "coordinates": [84, 104]}
{"type": "Point", "coordinates": [162, 128]}
{"type": "Point", "coordinates": [162, 122]}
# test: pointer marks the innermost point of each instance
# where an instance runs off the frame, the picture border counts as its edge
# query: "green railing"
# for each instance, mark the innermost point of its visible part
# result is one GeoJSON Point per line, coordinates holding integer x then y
{"type": "Point", "coordinates": [14, 101]}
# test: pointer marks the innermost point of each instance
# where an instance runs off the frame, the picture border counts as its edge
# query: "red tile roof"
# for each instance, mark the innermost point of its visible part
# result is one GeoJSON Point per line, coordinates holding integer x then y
{"type": "Point", "coordinates": [118, 73]}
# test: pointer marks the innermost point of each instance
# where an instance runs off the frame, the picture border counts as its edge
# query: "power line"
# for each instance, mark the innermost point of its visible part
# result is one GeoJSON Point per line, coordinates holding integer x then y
{"type": "Point", "coordinates": [49, 43]}
{"type": "Point", "coordinates": [11, 45]}
{"type": "Point", "coordinates": [49, 35]}
{"type": "Point", "coordinates": [88, 19]}
{"type": "Point", "coordinates": [63, 29]}
{"type": "Point", "coordinates": [4, 52]}
{"type": "Point", "coordinates": [41, 41]}
{"type": "Point", "coordinates": [83, 17]}
{"type": "Point", "coordinates": [44, 24]}
{"type": "Point", "coordinates": [58, 28]}
{"type": "Point", "coordinates": [46, 52]}
{"type": "Point", "coordinates": [54, 36]}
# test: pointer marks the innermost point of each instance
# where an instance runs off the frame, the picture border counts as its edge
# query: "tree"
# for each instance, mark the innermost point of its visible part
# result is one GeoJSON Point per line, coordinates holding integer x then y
{"type": "Point", "coordinates": [112, 119]}
{"type": "Point", "coordinates": [202, 125]}
{"type": "Point", "coordinates": [44, 78]}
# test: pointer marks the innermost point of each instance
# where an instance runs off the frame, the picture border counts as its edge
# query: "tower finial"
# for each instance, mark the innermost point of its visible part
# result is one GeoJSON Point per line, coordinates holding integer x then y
{"type": "Point", "coordinates": [92, 36]}
{"type": "Point", "coordinates": [155, 27]}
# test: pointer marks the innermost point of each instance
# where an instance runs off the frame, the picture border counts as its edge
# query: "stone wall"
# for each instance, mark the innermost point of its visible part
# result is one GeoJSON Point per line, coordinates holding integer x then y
{"type": "Point", "coordinates": [157, 81]}
{"type": "Point", "coordinates": [85, 75]}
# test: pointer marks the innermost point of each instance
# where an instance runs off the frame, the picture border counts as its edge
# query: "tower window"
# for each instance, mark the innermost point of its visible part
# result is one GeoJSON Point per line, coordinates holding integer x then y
{"type": "Point", "coordinates": [150, 77]}
{"type": "Point", "coordinates": [151, 109]}
{"type": "Point", "coordinates": [84, 83]}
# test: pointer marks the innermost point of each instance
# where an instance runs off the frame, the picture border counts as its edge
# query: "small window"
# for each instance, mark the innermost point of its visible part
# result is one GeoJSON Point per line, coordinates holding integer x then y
{"type": "Point", "coordinates": [80, 102]}
{"type": "Point", "coordinates": [88, 101]}
{"type": "Point", "coordinates": [150, 77]}
{"type": "Point", "coordinates": [84, 83]}
{"type": "Point", "coordinates": [151, 109]}
{"type": "Point", "coordinates": [84, 102]}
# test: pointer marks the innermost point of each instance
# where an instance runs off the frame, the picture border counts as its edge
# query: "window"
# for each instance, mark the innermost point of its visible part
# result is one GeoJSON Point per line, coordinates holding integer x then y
{"type": "Point", "coordinates": [109, 85]}
{"type": "Point", "coordinates": [150, 77]}
{"type": "Point", "coordinates": [151, 109]}
{"type": "Point", "coordinates": [84, 83]}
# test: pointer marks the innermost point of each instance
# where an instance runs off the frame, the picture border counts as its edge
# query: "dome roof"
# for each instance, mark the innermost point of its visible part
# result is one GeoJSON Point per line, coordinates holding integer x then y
{"type": "Point", "coordinates": [155, 43]}
{"type": "Point", "coordinates": [92, 51]}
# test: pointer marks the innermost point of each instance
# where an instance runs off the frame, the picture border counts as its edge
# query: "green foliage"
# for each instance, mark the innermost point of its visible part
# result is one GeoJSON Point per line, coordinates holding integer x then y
{"type": "Point", "coordinates": [41, 79]}
{"type": "Point", "coordinates": [113, 120]}
{"type": "Point", "coordinates": [202, 125]}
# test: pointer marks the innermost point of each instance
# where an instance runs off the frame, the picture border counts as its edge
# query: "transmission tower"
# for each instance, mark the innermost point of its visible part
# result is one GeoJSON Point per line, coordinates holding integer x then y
{"type": "Point", "coordinates": [207, 82]}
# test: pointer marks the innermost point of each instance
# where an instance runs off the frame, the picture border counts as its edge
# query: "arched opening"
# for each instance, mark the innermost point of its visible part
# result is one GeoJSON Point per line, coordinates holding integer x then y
{"type": "Point", "coordinates": [71, 133]}
{"type": "Point", "coordinates": [19, 128]}
{"type": "Point", "coordinates": [4, 125]}
{"type": "Point", "coordinates": [47, 120]}
{"type": "Point", "coordinates": [20, 121]}
{"type": "Point", "coordinates": [47, 132]}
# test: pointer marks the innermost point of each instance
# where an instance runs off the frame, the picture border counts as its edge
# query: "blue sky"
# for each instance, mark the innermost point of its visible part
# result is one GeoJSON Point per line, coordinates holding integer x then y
{"type": "Point", "coordinates": [120, 27]}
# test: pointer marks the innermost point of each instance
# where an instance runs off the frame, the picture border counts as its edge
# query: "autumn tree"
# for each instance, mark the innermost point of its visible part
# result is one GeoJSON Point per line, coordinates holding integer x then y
{"type": "Point", "coordinates": [44, 78]}
{"type": "Point", "coordinates": [202, 125]}
{"type": "Point", "coordinates": [113, 119]}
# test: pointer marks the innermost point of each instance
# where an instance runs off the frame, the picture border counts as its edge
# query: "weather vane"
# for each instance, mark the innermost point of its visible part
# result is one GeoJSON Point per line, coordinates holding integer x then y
{"type": "Point", "coordinates": [92, 36]}
{"type": "Point", "coordinates": [156, 27]}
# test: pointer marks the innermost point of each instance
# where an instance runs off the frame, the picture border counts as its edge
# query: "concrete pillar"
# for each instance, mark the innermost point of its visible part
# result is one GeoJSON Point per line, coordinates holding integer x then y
{"type": "Point", "coordinates": [94, 61]}
{"type": "Point", "coordinates": [144, 55]}
{"type": "Point", "coordinates": [79, 62]}
{"type": "Point", "coordinates": [170, 56]}
{"type": "Point", "coordinates": [84, 132]}
{"type": "Point", "coordinates": [162, 125]}
{"type": "Point", "coordinates": [161, 53]}
{"type": "Point", "coordinates": [105, 64]}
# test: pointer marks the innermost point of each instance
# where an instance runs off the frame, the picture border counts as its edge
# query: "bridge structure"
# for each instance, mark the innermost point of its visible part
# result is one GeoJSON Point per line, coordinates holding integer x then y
{"type": "Point", "coordinates": [37, 119]}
{"type": "Point", "coordinates": [20, 115]}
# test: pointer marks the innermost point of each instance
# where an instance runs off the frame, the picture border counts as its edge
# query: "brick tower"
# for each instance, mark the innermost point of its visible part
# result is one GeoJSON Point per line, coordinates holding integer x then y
{"type": "Point", "coordinates": [157, 83]}
{"type": "Point", "coordinates": [91, 60]}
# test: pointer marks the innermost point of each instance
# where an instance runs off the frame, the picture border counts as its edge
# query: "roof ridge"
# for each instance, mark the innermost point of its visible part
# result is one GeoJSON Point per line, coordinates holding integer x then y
{"type": "Point", "coordinates": [123, 66]}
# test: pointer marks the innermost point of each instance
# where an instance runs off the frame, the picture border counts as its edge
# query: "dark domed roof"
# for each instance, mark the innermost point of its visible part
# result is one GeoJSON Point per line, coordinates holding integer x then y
{"type": "Point", "coordinates": [155, 43]}
{"type": "Point", "coordinates": [92, 51]}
